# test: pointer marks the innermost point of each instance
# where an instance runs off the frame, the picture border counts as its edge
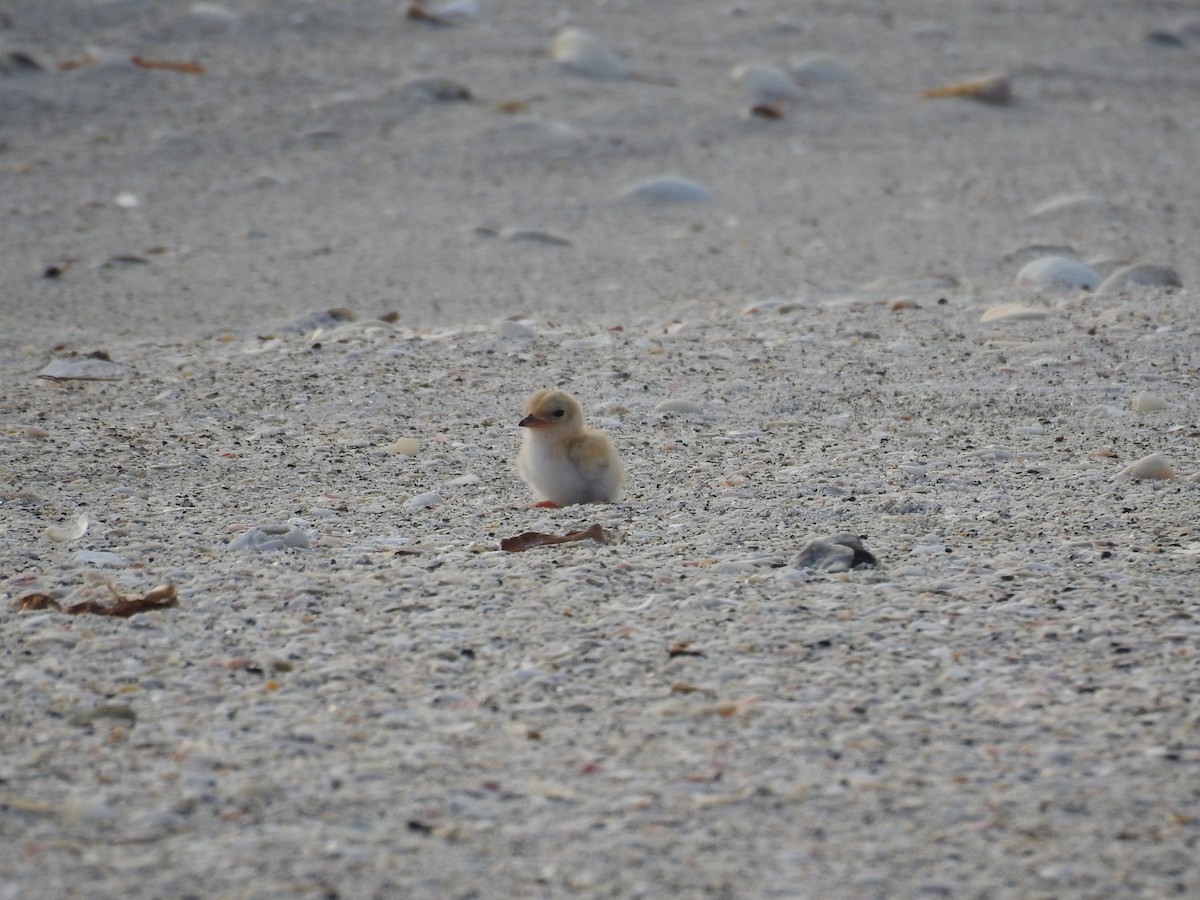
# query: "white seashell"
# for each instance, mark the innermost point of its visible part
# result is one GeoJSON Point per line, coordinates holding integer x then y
{"type": "Point", "coordinates": [87, 369]}
{"type": "Point", "coordinates": [535, 236]}
{"type": "Point", "coordinates": [427, 500]}
{"type": "Point", "coordinates": [1058, 273]}
{"type": "Point", "coordinates": [1152, 467]}
{"type": "Point", "coordinates": [814, 70]}
{"type": "Point", "coordinates": [595, 342]}
{"type": "Point", "coordinates": [582, 53]}
{"type": "Point", "coordinates": [1064, 203]}
{"type": "Point", "coordinates": [1145, 402]}
{"type": "Point", "coordinates": [99, 558]}
{"type": "Point", "coordinates": [679, 407]}
{"type": "Point", "coordinates": [1012, 312]}
{"type": "Point", "coordinates": [670, 189]}
{"type": "Point", "coordinates": [514, 331]}
{"type": "Point", "coordinates": [126, 200]}
{"type": "Point", "coordinates": [1140, 275]}
{"type": "Point", "coordinates": [765, 84]}
{"type": "Point", "coordinates": [464, 480]}
{"type": "Point", "coordinates": [64, 533]}
{"type": "Point", "coordinates": [212, 15]}
{"type": "Point", "coordinates": [456, 12]}
{"type": "Point", "coordinates": [405, 446]}
{"type": "Point", "coordinates": [272, 536]}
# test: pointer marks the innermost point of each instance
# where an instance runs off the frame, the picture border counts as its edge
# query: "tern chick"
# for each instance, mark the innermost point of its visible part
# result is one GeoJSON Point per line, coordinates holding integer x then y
{"type": "Point", "coordinates": [561, 459]}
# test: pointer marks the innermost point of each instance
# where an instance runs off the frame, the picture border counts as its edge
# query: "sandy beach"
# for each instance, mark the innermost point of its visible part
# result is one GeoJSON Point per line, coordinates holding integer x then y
{"type": "Point", "coordinates": [275, 280]}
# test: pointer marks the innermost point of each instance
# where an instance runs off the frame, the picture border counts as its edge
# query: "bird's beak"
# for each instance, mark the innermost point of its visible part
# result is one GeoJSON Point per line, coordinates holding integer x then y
{"type": "Point", "coordinates": [532, 421]}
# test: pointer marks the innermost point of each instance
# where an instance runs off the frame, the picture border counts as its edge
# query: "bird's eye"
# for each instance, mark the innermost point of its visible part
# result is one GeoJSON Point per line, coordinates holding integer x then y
{"type": "Point", "coordinates": [559, 413]}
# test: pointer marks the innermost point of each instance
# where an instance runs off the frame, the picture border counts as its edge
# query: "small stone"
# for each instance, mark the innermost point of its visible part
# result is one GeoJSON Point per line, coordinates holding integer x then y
{"type": "Point", "coordinates": [1153, 467]}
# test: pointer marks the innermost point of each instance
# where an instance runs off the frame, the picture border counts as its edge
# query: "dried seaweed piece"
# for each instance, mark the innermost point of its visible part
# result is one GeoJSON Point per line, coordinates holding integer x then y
{"type": "Point", "coordinates": [767, 111]}
{"type": "Point", "coordinates": [530, 539]}
{"type": "Point", "coordinates": [171, 65]}
{"type": "Point", "coordinates": [682, 648]}
{"type": "Point", "coordinates": [126, 605]}
{"type": "Point", "coordinates": [421, 13]}
{"type": "Point", "coordinates": [31, 602]}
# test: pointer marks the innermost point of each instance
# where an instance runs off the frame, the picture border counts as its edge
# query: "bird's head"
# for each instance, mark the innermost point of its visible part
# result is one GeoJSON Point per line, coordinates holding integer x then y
{"type": "Point", "coordinates": [554, 411]}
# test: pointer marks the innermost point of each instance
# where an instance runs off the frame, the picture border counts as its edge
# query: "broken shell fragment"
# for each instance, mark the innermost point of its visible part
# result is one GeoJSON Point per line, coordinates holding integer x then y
{"type": "Point", "coordinates": [405, 446]}
{"type": "Point", "coordinates": [90, 368]}
{"type": "Point", "coordinates": [1145, 402]}
{"type": "Point", "coordinates": [71, 532]}
{"type": "Point", "coordinates": [670, 189]}
{"type": "Point", "coordinates": [994, 89]}
{"type": "Point", "coordinates": [1151, 468]}
{"type": "Point", "coordinates": [1012, 312]}
{"type": "Point", "coordinates": [582, 53]}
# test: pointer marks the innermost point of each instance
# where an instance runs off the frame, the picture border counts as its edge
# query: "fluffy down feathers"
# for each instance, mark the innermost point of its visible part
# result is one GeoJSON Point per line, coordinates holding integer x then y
{"type": "Point", "coordinates": [561, 459]}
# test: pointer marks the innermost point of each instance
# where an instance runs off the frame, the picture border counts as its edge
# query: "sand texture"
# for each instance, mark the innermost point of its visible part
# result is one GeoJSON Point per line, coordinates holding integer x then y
{"type": "Point", "coordinates": [275, 280]}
